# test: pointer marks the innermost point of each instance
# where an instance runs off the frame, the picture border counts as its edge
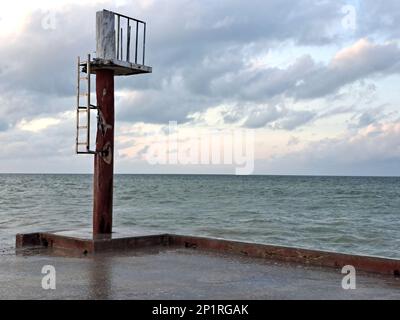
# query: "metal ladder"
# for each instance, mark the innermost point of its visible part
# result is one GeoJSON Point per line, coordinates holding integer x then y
{"type": "Point", "coordinates": [84, 74]}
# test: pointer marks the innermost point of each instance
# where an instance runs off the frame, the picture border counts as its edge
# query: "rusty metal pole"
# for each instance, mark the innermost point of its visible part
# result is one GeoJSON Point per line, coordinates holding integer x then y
{"type": "Point", "coordinates": [109, 45]}
{"type": "Point", "coordinates": [104, 157]}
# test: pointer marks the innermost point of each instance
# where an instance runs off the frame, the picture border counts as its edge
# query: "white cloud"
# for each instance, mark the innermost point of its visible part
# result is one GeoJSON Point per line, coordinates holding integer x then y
{"type": "Point", "coordinates": [37, 125]}
{"type": "Point", "coordinates": [373, 150]}
{"type": "Point", "coordinates": [212, 67]}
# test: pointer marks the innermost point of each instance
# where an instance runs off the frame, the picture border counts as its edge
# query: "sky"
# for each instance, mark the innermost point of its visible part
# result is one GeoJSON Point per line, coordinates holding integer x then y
{"type": "Point", "coordinates": [314, 83]}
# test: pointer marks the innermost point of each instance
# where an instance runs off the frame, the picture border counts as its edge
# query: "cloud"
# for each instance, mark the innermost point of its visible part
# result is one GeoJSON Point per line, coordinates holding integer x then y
{"type": "Point", "coordinates": [3, 125]}
{"type": "Point", "coordinates": [361, 60]}
{"type": "Point", "coordinates": [196, 40]}
{"type": "Point", "coordinates": [203, 55]}
{"type": "Point", "coordinates": [259, 118]}
{"type": "Point", "coordinates": [37, 125]}
{"type": "Point", "coordinates": [214, 81]}
{"type": "Point", "coordinates": [373, 150]}
{"type": "Point", "coordinates": [295, 119]}
{"type": "Point", "coordinates": [42, 61]}
{"type": "Point", "coordinates": [379, 18]}
{"type": "Point", "coordinates": [365, 118]}
{"type": "Point", "coordinates": [306, 79]}
{"type": "Point", "coordinates": [293, 141]}
{"type": "Point", "coordinates": [278, 117]}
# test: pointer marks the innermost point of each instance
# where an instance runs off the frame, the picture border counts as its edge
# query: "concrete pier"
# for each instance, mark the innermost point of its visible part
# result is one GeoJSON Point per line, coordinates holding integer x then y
{"type": "Point", "coordinates": [84, 242]}
{"type": "Point", "coordinates": [137, 264]}
{"type": "Point", "coordinates": [161, 272]}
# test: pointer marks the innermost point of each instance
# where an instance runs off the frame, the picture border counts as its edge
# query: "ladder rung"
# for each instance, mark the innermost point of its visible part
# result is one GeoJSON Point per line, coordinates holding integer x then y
{"type": "Point", "coordinates": [83, 94]}
{"type": "Point", "coordinates": [82, 110]}
{"type": "Point", "coordinates": [82, 144]}
{"type": "Point", "coordinates": [93, 107]}
{"type": "Point", "coordinates": [82, 127]}
{"type": "Point", "coordinates": [83, 78]}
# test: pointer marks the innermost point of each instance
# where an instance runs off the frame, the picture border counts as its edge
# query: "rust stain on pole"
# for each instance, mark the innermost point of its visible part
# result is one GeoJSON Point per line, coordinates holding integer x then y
{"type": "Point", "coordinates": [104, 158]}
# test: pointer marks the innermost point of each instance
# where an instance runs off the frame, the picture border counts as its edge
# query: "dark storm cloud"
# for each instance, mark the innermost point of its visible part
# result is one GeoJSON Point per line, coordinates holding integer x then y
{"type": "Point", "coordinates": [362, 60]}
{"type": "Point", "coordinates": [151, 106]}
{"type": "Point", "coordinates": [38, 72]}
{"type": "Point", "coordinates": [364, 118]}
{"type": "Point", "coordinates": [200, 51]}
{"type": "Point", "coordinates": [207, 43]}
{"type": "Point", "coordinates": [278, 117]}
{"type": "Point", "coordinates": [296, 119]}
{"type": "Point", "coordinates": [259, 118]}
{"type": "Point", "coordinates": [379, 18]}
{"type": "Point", "coordinates": [3, 125]}
{"type": "Point", "coordinates": [204, 43]}
{"type": "Point", "coordinates": [43, 60]}
{"type": "Point", "coordinates": [214, 80]}
{"type": "Point", "coordinates": [304, 79]}
{"type": "Point", "coordinates": [185, 30]}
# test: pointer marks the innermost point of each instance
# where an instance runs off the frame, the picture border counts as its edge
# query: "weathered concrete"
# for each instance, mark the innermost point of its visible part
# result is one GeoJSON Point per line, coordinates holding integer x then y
{"type": "Point", "coordinates": [106, 56]}
{"type": "Point", "coordinates": [120, 68]}
{"type": "Point", "coordinates": [87, 243]}
{"type": "Point", "coordinates": [162, 273]}
{"type": "Point", "coordinates": [105, 35]}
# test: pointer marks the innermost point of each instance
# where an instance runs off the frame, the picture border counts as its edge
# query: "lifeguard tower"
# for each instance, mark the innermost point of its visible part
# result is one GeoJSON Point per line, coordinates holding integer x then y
{"type": "Point", "coordinates": [120, 51]}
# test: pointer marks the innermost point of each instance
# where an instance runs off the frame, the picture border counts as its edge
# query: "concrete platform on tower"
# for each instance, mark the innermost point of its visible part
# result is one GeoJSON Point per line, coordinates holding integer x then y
{"type": "Point", "coordinates": [120, 68]}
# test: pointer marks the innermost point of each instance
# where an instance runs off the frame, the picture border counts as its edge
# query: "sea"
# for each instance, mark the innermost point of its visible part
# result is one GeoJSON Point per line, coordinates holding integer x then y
{"type": "Point", "coordinates": [357, 215]}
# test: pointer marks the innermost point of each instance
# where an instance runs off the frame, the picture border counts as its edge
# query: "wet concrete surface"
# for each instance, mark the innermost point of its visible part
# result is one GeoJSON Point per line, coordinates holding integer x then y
{"type": "Point", "coordinates": [118, 233]}
{"type": "Point", "coordinates": [161, 273]}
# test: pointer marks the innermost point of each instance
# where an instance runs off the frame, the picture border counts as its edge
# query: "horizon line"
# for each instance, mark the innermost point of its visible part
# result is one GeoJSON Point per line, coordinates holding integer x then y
{"type": "Point", "coordinates": [210, 174]}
